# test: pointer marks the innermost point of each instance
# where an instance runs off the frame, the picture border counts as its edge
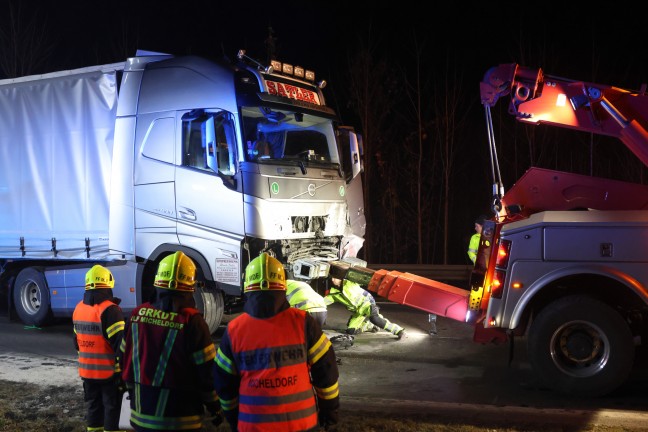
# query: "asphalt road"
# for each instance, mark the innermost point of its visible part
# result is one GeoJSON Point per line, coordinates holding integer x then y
{"type": "Point", "coordinates": [447, 375]}
{"type": "Point", "coordinates": [452, 376]}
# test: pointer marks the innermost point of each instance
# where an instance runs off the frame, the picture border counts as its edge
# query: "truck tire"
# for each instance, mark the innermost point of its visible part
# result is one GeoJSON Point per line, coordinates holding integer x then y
{"type": "Point", "coordinates": [212, 306]}
{"type": "Point", "coordinates": [31, 298]}
{"type": "Point", "coordinates": [578, 345]}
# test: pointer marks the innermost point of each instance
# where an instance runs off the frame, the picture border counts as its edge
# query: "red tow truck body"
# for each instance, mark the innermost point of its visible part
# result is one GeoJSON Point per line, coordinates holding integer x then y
{"type": "Point", "coordinates": [563, 260]}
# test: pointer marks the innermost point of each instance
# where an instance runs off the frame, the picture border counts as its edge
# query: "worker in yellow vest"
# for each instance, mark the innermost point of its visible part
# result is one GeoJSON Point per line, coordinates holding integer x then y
{"type": "Point", "coordinates": [473, 246]}
{"type": "Point", "coordinates": [302, 296]}
{"type": "Point", "coordinates": [365, 314]}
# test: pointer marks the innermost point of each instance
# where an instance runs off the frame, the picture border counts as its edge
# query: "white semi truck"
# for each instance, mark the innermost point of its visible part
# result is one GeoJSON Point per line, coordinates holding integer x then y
{"type": "Point", "coordinates": [125, 163]}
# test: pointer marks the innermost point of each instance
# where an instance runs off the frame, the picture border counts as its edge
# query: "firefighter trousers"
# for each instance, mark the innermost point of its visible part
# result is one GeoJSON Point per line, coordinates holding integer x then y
{"type": "Point", "coordinates": [103, 402]}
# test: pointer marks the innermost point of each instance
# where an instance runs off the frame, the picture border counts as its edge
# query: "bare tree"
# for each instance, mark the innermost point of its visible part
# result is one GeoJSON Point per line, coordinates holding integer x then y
{"type": "Point", "coordinates": [414, 95]}
{"type": "Point", "coordinates": [372, 104]}
{"type": "Point", "coordinates": [451, 114]}
{"type": "Point", "coordinates": [24, 40]}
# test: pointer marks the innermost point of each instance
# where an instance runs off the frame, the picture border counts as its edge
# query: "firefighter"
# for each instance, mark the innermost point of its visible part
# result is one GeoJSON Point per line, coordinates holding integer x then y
{"type": "Point", "coordinates": [275, 370]}
{"type": "Point", "coordinates": [98, 328]}
{"type": "Point", "coordinates": [302, 296]}
{"type": "Point", "coordinates": [168, 354]}
{"type": "Point", "coordinates": [365, 313]}
{"type": "Point", "coordinates": [473, 246]}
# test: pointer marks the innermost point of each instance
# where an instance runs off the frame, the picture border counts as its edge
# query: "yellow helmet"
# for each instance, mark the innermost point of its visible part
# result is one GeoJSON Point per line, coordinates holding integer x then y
{"type": "Point", "coordinates": [98, 277]}
{"type": "Point", "coordinates": [176, 272]}
{"type": "Point", "coordinates": [264, 273]}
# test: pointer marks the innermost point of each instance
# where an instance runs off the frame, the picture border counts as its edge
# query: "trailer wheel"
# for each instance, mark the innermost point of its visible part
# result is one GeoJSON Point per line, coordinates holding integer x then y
{"type": "Point", "coordinates": [32, 298]}
{"type": "Point", "coordinates": [581, 346]}
{"type": "Point", "coordinates": [212, 306]}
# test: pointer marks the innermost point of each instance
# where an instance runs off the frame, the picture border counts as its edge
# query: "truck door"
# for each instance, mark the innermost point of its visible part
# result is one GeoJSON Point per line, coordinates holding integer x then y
{"type": "Point", "coordinates": [350, 144]}
{"type": "Point", "coordinates": [209, 204]}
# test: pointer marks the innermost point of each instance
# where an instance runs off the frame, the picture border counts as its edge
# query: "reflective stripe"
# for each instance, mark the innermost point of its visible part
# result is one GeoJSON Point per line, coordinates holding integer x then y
{"type": "Point", "coordinates": [229, 404]}
{"type": "Point", "coordinates": [165, 423]}
{"type": "Point", "coordinates": [115, 328]}
{"type": "Point", "coordinates": [225, 363]}
{"type": "Point", "coordinates": [164, 358]}
{"type": "Point", "coordinates": [271, 357]}
{"type": "Point", "coordinates": [329, 392]}
{"type": "Point", "coordinates": [205, 355]}
{"type": "Point", "coordinates": [301, 296]}
{"type": "Point", "coordinates": [319, 349]}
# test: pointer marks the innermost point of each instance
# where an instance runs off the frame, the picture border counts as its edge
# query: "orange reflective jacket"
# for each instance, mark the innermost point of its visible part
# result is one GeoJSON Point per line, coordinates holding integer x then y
{"type": "Point", "coordinates": [96, 356]}
{"type": "Point", "coordinates": [276, 393]}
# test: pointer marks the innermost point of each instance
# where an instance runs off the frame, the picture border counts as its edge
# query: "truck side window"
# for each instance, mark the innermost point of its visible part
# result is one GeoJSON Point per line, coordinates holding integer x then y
{"type": "Point", "coordinates": [225, 143]}
{"type": "Point", "coordinates": [193, 142]}
{"type": "Point", "coordinates": [158, 143]}
{"type": "Point", "coordinates": [208, 141]}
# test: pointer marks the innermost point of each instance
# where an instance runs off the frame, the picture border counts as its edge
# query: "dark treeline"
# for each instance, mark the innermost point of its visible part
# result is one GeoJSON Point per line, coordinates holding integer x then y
{"type": "Point", "coordinates": [408, 81]}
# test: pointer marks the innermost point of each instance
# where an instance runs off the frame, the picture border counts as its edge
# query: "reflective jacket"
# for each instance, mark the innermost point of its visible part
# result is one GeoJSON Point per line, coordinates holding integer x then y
{"type": "Point", "coordinates": [275, 368]}
{"type": "Point", "coordinates": [302, 296]}
{"type": "Point", "coordinates": [96, 356]}
{"type": "Point", "coordinates": [167, 368]}
{"type": "Point", "coordinates": [355, 298]}
{"type": "Point", "coordinates": [473, 247]}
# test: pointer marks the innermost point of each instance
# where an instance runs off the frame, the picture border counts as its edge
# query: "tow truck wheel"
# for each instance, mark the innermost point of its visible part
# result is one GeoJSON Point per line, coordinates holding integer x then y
{"type": "Point", "coordinates": [210, 303]}
{"type": "Point", "coordinates": [581, 346]}
{"type": "Point", "coordinates": [31, 298]}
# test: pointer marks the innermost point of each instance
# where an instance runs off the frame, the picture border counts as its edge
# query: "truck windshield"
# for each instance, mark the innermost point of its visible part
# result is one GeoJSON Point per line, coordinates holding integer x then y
{"type": "Point", "coordinates": [277, 135]}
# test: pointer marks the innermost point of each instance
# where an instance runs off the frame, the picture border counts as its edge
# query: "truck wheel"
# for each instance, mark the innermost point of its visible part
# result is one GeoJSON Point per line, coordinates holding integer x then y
{"type": "Point", "coordinates": [581, 346]}
{"type": "Point", "coordinates": [32, 298]}
{"type": "Point", "coordinates": [212, 306]}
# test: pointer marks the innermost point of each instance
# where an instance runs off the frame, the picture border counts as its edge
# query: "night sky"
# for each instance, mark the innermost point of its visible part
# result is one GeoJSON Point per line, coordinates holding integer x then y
{"type": "Point", "coordinates": [570, 39]}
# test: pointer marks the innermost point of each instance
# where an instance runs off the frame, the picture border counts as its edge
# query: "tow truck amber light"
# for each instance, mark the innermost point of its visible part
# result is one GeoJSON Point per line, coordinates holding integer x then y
{"type": "Point", "coordinates": [498, 283]}
{"type": "Point", "coordinates": [503, 252]}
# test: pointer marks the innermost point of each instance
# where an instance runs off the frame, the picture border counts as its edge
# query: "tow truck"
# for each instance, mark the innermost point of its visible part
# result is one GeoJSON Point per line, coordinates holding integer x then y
{"type": "Point", "coordinates": [563, 260]}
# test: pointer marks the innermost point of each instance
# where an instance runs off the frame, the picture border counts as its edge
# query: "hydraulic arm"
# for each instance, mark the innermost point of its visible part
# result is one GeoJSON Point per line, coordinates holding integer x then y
{"type": "Point", "coordinates": [601, 109]}
{"type": "Point", "coordinates": [408, 289]}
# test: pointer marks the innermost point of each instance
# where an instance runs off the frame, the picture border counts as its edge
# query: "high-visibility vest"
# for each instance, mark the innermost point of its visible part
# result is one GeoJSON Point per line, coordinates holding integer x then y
{"type": "Point", "coordinates": [271, 356]}
{"type": "Point", "coordinates": [96, 356]}
{"type": "Point", "coordinates": [355, 298]}
{"type": "Point", "coordinates": [302, 296]}
{"type": "Point", "coordinates": [473, 247]}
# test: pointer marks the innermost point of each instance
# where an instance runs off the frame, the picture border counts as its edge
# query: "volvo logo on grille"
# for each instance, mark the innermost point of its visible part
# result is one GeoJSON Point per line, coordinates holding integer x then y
{"type": "Point", "coordinates": [311, 189]}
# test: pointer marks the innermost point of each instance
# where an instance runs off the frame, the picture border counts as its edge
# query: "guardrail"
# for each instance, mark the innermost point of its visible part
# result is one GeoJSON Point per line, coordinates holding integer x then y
{"type": "Point", "coordinates": [457, 275]}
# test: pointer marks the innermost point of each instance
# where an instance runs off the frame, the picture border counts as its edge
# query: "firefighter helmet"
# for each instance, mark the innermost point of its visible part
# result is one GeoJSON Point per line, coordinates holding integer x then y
{"type": "Point", "coordinates": [176, 272]}
{"type": "Point", "coordinates": [99, 277]}
{"type": "Point", "coordinates": [264, 273]}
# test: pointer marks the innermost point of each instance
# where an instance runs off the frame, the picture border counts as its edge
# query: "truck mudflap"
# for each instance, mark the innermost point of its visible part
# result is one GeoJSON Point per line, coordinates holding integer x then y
{"type": "Point", "coordinates": [490, 335]}
{"type": "Point", "coordinates": [421, 293]}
